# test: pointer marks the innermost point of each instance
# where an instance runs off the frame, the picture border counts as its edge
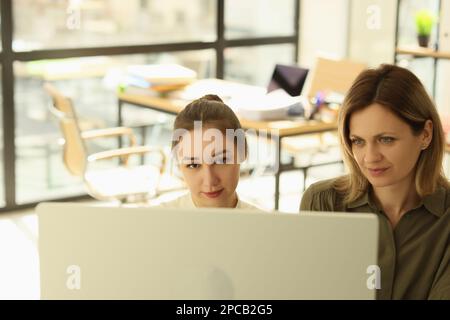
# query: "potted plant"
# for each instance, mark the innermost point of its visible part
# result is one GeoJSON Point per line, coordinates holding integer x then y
{"type": "Point", "coordinates": [425, 21]}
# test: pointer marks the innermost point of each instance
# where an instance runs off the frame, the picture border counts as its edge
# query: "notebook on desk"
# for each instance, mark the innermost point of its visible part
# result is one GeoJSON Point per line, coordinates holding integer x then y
{"type": "Point", "coordinates": [91, 252]}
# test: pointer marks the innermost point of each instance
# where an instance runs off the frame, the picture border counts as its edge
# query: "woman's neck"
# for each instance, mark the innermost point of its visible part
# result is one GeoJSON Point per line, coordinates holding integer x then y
{"type": "Point", "coordinates": [397, 199]}
{"type": "Point", "coordinates": [234, 201]}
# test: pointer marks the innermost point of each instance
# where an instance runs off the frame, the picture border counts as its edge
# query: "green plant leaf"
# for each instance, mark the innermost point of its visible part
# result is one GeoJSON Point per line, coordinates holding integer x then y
{"type": "Point", "coordinates": [425, 21]}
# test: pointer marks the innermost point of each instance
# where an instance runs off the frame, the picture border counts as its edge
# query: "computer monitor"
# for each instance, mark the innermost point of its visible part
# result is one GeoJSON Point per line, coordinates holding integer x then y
{"type": "Point", "coordinates": [89, 252]}
{"type": "Point", "coordinates": [289, 78]}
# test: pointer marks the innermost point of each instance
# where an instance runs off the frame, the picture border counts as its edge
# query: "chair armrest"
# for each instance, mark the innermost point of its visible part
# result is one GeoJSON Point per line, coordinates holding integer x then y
{"type": "Point", "coordinates": [126, 152]}
{"type": "Point", "coordinates": [110, 132]}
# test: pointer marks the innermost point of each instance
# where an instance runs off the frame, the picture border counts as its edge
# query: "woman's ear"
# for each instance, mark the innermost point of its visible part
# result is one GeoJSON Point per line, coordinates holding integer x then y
{"type": "Point", "coordinates": [427, 134]}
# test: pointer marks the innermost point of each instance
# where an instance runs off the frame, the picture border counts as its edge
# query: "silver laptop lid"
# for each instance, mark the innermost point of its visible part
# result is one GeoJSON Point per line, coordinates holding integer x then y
{"type": "Point", "coordinates": [91, 252]}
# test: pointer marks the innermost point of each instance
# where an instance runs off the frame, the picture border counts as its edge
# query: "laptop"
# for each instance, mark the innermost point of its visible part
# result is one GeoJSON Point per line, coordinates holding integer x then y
{"type": "Point", "coordinates": [89, 252]}
{"type": "Point", "coordinates": [289, 78]}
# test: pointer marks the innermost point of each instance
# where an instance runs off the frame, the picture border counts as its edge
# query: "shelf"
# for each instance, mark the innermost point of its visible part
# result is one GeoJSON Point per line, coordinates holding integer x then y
{"type": "Point", "coordinates": [423, 52]}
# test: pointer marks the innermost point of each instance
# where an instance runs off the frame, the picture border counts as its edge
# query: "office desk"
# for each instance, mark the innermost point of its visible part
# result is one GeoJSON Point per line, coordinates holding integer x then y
{"type": "Point", "coordinates": [283, 129]}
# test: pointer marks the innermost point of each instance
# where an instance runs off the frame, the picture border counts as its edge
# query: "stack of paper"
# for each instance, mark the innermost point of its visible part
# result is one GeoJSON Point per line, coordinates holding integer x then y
{"type": "Point", "coordinates": [159, 77]}
{"type": "Point", "coordinates": [275, 105]}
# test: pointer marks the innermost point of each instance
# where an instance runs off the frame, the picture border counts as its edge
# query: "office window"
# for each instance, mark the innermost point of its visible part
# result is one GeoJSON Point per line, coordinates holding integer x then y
{"type": "Point", "coordinates": [254, 65]}
{"type": "Point", "coordinates": [98, 37]}
{"type": "Point", "coordinates": [442, 81]}
{"type": "Point", "coordinates": [259, 18]}
{"type": "Point", "coordinates": [91, 83]}
{"type": "Point", "coordinates": [1, 44]}
{"type": "Point", "coordinates": [40, 172]}
{"type": "Point", "coordinates": [421, 68]}
{"type": "Point", "coordinates": [50, 24]}
{"type": "Point", "coordinates": [2, 191]}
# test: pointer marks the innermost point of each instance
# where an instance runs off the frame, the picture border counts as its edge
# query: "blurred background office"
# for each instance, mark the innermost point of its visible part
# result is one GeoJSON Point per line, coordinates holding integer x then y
{"type": "Point", "coordinates": [78, 44]}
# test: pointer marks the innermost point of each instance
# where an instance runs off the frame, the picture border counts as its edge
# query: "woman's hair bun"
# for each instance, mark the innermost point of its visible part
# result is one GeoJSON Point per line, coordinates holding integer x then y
{"type": "Point", "coordinates": [211, 97]}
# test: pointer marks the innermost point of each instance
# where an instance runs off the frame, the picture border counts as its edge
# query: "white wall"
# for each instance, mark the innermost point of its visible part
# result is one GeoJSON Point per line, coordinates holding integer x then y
{"type": "Point", "coordinates": [372, 31]}
{"type": "Point", "coordinates": [323, 30]}
{"type": "Point", "coordinates": [361, 30]}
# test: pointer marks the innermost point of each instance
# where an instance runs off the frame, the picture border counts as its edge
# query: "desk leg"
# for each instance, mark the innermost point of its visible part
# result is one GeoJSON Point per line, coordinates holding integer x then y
{"type": "Point", "coordinates": [277, 171]}
{"type": "Point", "coordinates": [119, 124]}
{"type": "Point", "coordinates": [143, 142]}
{"type": "Point", "coordinates": [119, 121]}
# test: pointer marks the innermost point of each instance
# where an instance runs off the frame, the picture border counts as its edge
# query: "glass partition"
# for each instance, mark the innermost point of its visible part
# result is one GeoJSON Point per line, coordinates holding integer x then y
{"type": "Point", "coordinates": [49, 24]}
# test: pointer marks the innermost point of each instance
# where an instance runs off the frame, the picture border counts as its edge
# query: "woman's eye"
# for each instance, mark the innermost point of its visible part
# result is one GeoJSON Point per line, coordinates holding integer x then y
{"type": "Point", "coordinates": [356, 142]}
{"type": "Point", "coordinates": [387, 140]}
{"type": "Point", "coordinates": [193, 166]}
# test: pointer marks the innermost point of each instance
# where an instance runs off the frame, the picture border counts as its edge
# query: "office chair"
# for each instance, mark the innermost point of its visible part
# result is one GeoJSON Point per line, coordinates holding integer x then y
{"type": "Point", "coordinates": [126, 183]}
{"type": "Point", "coordinates": [332, 76]}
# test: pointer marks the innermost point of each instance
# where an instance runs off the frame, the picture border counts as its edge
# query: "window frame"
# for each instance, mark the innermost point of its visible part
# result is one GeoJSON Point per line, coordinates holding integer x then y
{"type": "Point", "coordinates": [8, 56]}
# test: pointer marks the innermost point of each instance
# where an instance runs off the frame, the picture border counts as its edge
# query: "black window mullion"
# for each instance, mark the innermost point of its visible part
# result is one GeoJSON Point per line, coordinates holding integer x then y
{"type": "Point", "coordinates": [297, 29]}
{"type": "Point", "coordinates": [116, 50]}
{"type": "Point", "coordinates": [8, 56]}
{"type": "Point", "coordinates": [220, 59]}
{"type": "Point", "coordinates": [9, 165]}
{"type": "Point", "coordinates": [247, 42]}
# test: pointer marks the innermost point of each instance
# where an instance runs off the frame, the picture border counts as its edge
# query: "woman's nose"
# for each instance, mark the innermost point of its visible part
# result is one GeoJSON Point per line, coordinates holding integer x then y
{"type": "Point", "coordinates": [209, 175]}
{"type": "Point", "coordinates": [372, 154]}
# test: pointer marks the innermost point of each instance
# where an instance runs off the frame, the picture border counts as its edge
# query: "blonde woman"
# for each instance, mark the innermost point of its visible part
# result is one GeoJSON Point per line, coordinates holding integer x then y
{"type": "Point", "coordinates": [393, 145]}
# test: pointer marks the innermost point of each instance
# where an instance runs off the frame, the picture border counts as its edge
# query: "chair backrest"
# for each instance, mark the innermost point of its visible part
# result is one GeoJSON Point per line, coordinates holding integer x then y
{"type": "Point", "coordinates": [75, 156]}
{"type": "Point", "coordinates": [332, 75]}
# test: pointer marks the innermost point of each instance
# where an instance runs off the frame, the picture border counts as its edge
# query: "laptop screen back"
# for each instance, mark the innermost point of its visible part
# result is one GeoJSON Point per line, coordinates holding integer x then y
{"type": "Point", "coordinates": [152, 253]}
{"type": "Point", "coordinates": [289, 78]}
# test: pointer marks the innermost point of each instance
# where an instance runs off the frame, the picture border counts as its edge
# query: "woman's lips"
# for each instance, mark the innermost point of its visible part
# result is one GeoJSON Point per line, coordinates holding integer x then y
{"type": "Point", "coordinates": [214, 194]}
{"type": "Point", "coordinates": [376, 172]}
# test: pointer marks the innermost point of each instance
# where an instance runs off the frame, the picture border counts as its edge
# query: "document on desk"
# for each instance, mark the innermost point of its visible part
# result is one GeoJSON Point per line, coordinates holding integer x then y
{"type": "Point", "coordinates": [249, 102]}
{"type": "Point", "coordinates": [226, 90]}
{"type": "Point", "coordinates": [157, 74]}
{"type": "Point", "coordinates": [276, 105]}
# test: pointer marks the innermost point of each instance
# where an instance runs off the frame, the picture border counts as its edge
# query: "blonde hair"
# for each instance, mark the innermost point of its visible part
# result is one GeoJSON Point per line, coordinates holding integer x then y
{"type": "Point", "coordinates": [401, 92]}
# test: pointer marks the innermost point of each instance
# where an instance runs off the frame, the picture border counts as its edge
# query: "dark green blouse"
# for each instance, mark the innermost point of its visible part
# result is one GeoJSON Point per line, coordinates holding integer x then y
{"type": "Point", "coordinates": [414, 258]}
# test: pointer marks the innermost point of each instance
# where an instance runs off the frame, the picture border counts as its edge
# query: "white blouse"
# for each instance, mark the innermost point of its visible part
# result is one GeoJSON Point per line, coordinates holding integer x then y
{"type": "Point", "coordinates": [185, 201]}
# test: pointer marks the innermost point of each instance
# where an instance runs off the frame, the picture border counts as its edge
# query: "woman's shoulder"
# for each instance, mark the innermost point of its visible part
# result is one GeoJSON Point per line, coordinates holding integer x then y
{"type": "Point", "coordinates": [446, 193]}
{"type": "Point", "coordinates": [185, 201]}
{"type": "Point", "coordinates": [246, 205]}
{"type": "Point", "coordinates": [321, 196]}
{"type": "Point", "coordinates": [323, 186]}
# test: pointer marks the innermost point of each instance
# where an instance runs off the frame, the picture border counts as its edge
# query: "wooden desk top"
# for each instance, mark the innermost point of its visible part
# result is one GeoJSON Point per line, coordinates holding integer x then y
{"type": "Point", "coordinates": [285, 127]}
